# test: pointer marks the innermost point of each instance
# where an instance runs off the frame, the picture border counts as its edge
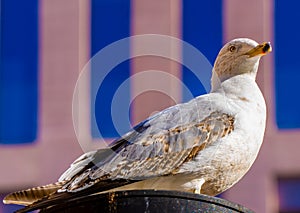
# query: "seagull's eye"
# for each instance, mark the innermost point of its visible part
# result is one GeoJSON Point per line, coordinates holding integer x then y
{"type": "Point", "coordinates": [232, 48]}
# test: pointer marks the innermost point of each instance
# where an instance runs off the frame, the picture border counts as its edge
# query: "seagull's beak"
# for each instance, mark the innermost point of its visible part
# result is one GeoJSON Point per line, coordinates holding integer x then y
{"type": "Point", "coordinates": [260, 50]}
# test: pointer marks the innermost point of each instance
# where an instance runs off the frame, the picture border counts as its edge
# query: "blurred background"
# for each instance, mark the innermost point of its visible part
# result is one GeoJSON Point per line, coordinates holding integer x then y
{"type": "Point", "coordinates": [46, 43]}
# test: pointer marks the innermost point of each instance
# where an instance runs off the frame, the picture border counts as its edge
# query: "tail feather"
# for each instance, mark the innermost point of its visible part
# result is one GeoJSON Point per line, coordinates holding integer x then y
{"type": "Point", "coordinates": [60, 198]}
{"type": "Point", "coordinates": [29, 196]}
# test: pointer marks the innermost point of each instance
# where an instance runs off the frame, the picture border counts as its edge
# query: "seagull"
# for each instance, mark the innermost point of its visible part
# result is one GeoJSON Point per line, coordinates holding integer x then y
{"type": "Point", "coordinates": [203, 146]}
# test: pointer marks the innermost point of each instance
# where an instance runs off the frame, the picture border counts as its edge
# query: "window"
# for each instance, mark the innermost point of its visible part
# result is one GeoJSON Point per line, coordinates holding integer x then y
{"type": "Point", "coordinates": [18, 71]}
{"type": "Point", "coordinates": [287, 64]}
{"type": "Point", "coordinates": [110, 22]}
{"type": "Point", "coordinates": [202, 28]}
{"type": "Point", "coordinates": [289, 194]}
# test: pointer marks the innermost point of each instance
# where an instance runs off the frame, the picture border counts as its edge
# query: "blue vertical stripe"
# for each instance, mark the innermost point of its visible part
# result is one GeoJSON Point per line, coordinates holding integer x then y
{"type": "Point", "coordinates": [202, 28]}
{"type": "Point", "coordinates": [289, 194]}
{"type": "Point", "coordinates": [110, 22]}
{"type": "Point", "coordinates": [18, 71]}
{"type": "Point", "coordinates": [287, 63]}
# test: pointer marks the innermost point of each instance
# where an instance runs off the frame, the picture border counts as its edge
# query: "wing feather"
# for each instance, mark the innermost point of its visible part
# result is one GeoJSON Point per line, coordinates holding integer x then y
{"type": "Point", "coordinates": [148, 155]}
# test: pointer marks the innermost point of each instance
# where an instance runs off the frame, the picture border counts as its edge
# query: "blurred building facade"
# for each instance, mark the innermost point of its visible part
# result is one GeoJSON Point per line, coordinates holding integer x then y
{"type": "Point", "coordinates": [45, 46]}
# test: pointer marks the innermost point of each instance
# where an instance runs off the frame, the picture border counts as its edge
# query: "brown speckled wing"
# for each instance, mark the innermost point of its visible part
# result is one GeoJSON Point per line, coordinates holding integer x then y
{"type": "Point", "coordinates": [138, 156]}
{"type": "Point", "coordinates": [155, 154]}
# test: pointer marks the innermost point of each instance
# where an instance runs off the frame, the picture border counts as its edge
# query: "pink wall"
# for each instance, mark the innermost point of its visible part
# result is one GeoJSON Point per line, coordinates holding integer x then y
{"type": "Point", "coordinates": [155, 17]}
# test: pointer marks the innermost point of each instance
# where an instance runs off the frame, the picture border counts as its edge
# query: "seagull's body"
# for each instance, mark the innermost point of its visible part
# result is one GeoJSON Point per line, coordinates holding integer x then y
{"type": "Point", "coordinates": [222, 162]}
{"type": "Point", "coordinates": [203, 146]}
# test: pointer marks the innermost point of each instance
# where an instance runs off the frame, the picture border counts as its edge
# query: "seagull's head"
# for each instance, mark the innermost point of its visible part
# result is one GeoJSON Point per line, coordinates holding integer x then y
{"type": "Point", "coordinates": [239, 56]}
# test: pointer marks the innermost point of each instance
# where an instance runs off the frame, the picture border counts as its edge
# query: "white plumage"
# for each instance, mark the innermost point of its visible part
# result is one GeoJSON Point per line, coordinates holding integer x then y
{"type": "Point", "coordinates": [204, 146]}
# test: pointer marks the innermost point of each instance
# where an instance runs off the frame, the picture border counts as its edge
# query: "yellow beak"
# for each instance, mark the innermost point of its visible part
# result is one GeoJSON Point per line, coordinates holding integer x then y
{"type": "Point", "coordinates": [260, 50]}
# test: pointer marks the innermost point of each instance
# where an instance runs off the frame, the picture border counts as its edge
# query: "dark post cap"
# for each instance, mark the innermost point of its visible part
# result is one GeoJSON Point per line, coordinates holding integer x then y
{"type": "Point", "coordinates": [147, 201]}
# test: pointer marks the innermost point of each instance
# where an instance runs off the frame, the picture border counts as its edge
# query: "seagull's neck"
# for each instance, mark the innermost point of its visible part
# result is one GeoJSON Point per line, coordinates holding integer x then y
{"type": "Point", "coordinates": [216, 82]}
{"type": "Point", "coordinates": [246, 69]}
{"type": "Point", "coordinates": [233, 82]}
